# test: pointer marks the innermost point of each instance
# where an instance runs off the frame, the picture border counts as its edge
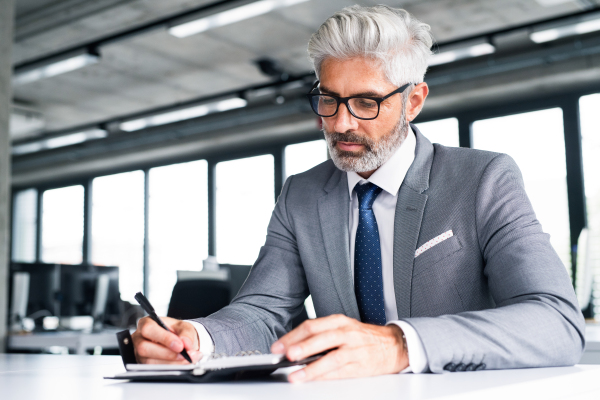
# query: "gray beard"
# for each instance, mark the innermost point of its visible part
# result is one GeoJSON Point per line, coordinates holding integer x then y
{"type": "Point", "coordinates": [376, 152]}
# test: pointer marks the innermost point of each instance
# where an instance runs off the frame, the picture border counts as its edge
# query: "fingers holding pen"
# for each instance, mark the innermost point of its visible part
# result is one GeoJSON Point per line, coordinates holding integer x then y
{"type": "Point", "coordinates": [150, 350]}
{"type": "Point", "coordinates": [155, 345]}
{"type": "Point", "coordinates": [152, 331]}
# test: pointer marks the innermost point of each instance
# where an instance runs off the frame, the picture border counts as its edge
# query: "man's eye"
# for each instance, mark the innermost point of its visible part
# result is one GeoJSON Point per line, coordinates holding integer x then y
{"type": "Point", "coordinates": [367, 103]}
{"type": "Point", "coordinates": [328, 100]}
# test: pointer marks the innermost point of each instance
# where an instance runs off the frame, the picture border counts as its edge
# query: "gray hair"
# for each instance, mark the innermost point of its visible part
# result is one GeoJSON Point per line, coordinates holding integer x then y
{"type": "Point", "coordinates": [392, 37]}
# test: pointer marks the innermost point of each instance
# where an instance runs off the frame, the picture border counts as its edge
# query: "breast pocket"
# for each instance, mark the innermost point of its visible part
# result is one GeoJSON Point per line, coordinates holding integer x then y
{"type": "Point", "coordinates": [435, 254]}
{"type": "Point", "coordinates": [435, 274]}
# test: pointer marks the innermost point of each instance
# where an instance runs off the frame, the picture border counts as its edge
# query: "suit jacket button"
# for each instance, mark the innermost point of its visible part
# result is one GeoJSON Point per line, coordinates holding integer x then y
{"type": "Point", "coordinates": [480, 367]}
{"type": "Point", "coordinates": [460, 367]}
{"type": "Point", "coordinates": [471, 367]}
{"type": "Point", "coordinates": [450, 367]}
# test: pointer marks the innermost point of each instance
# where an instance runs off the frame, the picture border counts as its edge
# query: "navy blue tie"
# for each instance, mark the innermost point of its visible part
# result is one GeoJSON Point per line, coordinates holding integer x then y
{"type": "Point", "coordinates": [368, 282]}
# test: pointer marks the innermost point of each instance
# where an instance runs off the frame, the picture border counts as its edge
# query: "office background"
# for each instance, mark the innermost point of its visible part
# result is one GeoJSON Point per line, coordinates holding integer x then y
{"type": "Point", "coordinates": [149, 135]}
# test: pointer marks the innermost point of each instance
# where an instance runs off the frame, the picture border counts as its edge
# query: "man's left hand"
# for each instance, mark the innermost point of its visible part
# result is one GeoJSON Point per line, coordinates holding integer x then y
{"type": "Point", "coordinates": [357, 349]}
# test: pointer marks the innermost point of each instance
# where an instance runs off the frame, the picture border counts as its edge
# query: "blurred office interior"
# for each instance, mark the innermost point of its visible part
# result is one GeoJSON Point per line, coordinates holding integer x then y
{"type": "Point", "coordinates": [149, 135]}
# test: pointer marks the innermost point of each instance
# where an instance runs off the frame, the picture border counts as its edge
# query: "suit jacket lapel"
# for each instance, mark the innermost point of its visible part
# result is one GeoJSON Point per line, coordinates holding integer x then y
{"type": "Point", "coordinates": [334, 208]}
{"type": "Point", "coordinates": [407, 223]}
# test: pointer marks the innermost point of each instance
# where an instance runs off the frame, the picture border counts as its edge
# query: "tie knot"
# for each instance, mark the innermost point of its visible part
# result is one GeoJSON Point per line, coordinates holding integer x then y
{"type": "Point", "coordinates": [367, 194]}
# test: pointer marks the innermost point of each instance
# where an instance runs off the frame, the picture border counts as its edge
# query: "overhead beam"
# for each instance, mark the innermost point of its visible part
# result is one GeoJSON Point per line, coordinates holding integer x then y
{"type": "Point", "coordinates": [58, 14]}
{"type": "Point", "coordinates": [126, 34]}
{"type": "Point", "coordinates": [6, 40]}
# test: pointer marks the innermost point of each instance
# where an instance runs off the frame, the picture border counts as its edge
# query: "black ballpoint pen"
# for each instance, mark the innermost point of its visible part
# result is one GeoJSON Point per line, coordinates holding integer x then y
{"type": "Point", "coordinates": [150, 310]}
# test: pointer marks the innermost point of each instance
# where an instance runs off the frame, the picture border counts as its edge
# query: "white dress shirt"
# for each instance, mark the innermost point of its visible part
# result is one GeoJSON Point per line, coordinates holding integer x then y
{"type": "Point", "coordinates": [388, 177]}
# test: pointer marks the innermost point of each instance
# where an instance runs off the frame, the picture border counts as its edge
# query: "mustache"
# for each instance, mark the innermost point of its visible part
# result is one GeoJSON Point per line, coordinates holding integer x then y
{"type": "Point", "coordinates": [335, 137]}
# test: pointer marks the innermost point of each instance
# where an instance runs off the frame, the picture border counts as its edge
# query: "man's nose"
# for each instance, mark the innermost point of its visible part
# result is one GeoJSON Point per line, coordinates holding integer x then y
{"type": "Point", "coordinates": [344, 121]}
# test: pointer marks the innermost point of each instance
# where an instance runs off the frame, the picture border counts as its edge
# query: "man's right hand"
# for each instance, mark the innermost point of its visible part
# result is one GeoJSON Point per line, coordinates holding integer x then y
{"type": "Point", "coordinates": [154, 345]}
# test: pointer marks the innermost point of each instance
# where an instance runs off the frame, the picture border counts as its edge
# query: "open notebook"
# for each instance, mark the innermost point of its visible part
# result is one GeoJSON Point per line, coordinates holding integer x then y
{"type": "Point", "coordinates": [223, 368]}
{"type": "Point", "coordinates": [209, 369]}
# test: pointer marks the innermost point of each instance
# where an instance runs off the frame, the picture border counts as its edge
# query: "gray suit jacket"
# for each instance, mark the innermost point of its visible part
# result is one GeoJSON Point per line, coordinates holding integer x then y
{"type": "Point", "coordinates": [495, 293]}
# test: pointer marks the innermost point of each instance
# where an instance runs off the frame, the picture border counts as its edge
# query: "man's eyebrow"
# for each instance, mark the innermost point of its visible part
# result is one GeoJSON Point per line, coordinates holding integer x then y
{"type": "Point", "coordinates": [325, 90]}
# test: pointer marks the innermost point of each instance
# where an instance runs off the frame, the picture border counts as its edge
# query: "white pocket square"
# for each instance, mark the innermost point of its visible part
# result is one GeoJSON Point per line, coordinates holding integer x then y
{"type": "Point", "coordinates": [433, 242]}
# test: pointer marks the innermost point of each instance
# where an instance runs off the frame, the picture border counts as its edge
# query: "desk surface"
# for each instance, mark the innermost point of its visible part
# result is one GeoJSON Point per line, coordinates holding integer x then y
{"type": "Point", "coordinates": [24, 376]}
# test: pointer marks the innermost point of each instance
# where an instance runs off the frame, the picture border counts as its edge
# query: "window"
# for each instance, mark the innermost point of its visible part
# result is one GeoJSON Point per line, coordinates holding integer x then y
{"type": "Point", "coordinates": [24, 226]}
{"type": "Point", "coordinates": [442, 131]}
{"type": "Point", "coordinates": [118, 228]}
{"type": "Point", "coordinates": [303, 156]}
{"type": "Point", "coordinates": [177, 226]}
{"type": "Point", "coordinates": [244, 200]}
{"type": "Point", "coordinates": [62, 225]}
{"type": "Point", "coordinates": [544, 175]}
{"type": "Point", "coordinates": [590, 143]}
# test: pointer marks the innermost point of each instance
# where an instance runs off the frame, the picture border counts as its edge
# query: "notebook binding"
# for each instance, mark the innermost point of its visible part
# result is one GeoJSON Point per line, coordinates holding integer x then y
{"type": "Point", "coordinates": [214, 356]}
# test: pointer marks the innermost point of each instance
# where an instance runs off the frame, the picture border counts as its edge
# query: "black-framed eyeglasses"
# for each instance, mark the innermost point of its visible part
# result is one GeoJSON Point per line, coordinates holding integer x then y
{"type": "Point", "coordinates": [361, 107]}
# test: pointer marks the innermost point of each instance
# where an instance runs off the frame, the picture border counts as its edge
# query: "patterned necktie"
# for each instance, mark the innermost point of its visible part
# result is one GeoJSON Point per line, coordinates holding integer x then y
{"type": "Point", "coordinates": [368, 282]}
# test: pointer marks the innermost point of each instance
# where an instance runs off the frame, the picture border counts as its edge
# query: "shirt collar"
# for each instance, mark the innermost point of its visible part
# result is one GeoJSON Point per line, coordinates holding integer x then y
{"type": "Point", "coordinates": [390, 175]}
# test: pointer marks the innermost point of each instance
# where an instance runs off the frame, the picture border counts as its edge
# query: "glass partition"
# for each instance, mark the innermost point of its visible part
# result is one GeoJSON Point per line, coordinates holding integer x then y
{"type": "Point", "coordinates": [118, 228]}
{"type": "Point", "coordinates": [177, 226]}
{"type": "Point", "coordinates": [24, 226]}
{"type": "Point", "coordinates": [301, 157]}
{"type": "Point", "coordinates": [535, 140]}
{"type": "Point", "coordinates": [442, 131]}
{"type": "Point", "coordinates": [62, 225]}
{"type": "Point", "coordinates": [244, 200]}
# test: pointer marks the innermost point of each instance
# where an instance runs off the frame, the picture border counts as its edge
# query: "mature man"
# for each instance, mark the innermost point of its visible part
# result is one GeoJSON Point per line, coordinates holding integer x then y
{"type": "Point", "coordinates": [418, 256]}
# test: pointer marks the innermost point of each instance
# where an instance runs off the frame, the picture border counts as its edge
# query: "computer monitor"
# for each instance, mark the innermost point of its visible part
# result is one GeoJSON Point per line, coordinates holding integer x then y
{"type": "Point", "coordinates": [67, 291]}
{"type": "Point", "coordinates": [44, 285]}
{"type": "Point", "coordinates": [90, 290]}
{"type": "Point", "coordinates": [18, 299]}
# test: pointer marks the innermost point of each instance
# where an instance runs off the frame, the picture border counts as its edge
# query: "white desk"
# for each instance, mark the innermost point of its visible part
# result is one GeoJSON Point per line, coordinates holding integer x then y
{"type": "Point", "coordinates": [25, 376]}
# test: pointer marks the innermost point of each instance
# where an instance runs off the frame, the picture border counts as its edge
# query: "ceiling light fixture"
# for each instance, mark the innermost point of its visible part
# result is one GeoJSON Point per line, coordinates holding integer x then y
{"type": "Point", "coordinates": [590, 24]}
{"type": "Point", "coordinates": [57, 67]}
{"type": "Point", "coordinates": [59, 141]}
{"type": "Point", "coordinates": [230, 16]}
{"type": "Point", "coordinates": [466, 50]}
{"type": "Point", "coordinates": [183, 114]}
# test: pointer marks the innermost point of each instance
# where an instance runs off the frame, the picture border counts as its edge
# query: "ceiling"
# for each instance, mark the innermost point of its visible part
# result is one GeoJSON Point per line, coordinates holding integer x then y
{"type": "Point", "coordinates": [155, 69]}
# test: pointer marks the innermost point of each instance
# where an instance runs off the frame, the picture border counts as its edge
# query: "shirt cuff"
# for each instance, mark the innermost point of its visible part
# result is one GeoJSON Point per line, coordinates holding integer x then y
{"type": "Point", "coordinates": [207, 346]}
{"type": "Point", "coordinates": [417, 359]}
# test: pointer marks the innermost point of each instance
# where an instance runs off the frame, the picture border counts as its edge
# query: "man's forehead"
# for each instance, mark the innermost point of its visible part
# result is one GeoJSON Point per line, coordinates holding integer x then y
{"type": "Point", "coordinates": [353, 77]}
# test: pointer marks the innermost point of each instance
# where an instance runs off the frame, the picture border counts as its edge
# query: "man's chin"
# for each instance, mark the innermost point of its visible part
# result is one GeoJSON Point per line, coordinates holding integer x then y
{"type": "Point", "coordinates": [351, 161]}
{"type": "Point", "coordinates": [350, 154]}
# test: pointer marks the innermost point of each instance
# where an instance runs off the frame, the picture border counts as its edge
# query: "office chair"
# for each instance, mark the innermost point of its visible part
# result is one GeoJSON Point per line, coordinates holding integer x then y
{"type": "Point", "coordinates": [237, 276]}
{"type": "Point", "coordinates": [198, 298]}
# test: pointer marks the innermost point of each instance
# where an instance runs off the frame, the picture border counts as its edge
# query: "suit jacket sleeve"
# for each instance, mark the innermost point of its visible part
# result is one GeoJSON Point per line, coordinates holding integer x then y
{"type": "Point", "coordinates": [271, 297]}
{"type": "Point", "coordinates": [537, 321]}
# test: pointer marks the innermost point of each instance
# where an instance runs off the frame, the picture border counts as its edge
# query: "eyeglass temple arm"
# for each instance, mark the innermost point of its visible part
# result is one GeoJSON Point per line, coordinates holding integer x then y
{"type": "Point", "coordinates": [314, 87]}
{"type": "Point", "coordinates": [399, 90]}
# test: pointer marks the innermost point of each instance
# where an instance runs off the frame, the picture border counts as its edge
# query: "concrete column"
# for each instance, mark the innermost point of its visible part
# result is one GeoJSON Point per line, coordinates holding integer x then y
{"type": "Point", "coordinates": [6, 40]}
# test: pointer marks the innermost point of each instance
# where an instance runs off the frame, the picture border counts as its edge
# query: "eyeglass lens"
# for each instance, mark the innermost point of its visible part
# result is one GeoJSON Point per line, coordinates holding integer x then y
{"type": "Point", "coordinates": [326, 106]}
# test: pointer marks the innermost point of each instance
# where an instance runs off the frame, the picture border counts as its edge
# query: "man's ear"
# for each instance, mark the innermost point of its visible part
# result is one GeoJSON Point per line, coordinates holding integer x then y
{"type": "Point", "coordinates": [416, 100]}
